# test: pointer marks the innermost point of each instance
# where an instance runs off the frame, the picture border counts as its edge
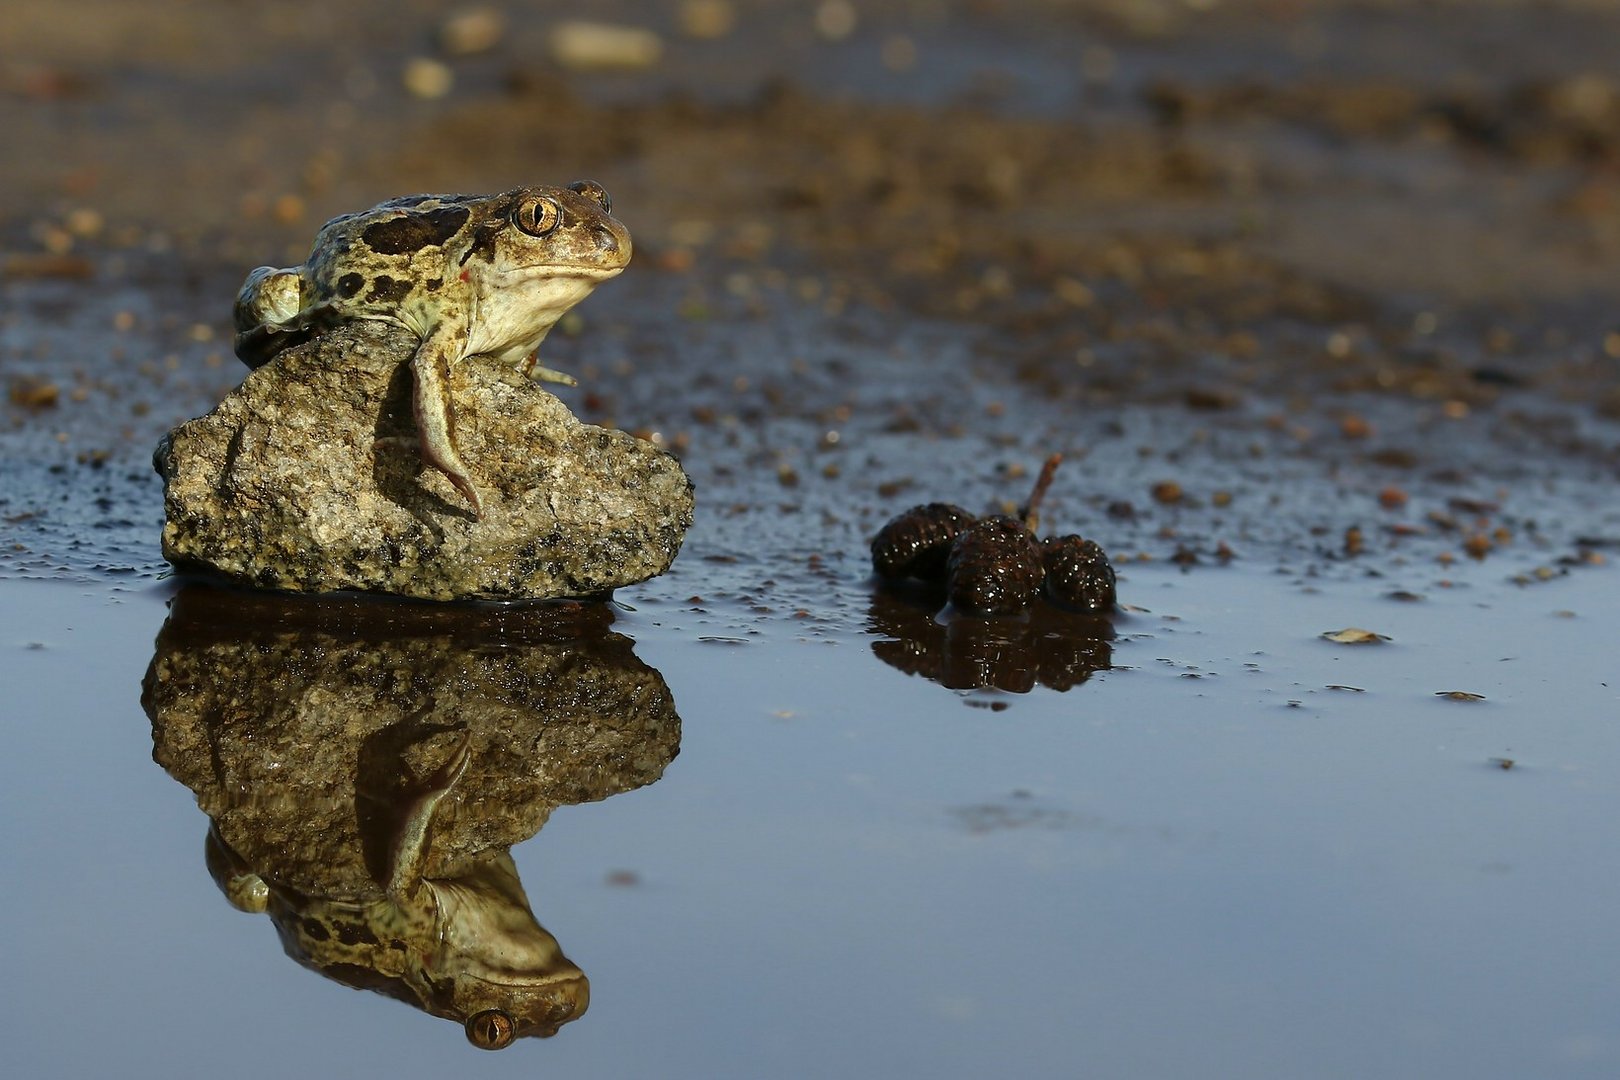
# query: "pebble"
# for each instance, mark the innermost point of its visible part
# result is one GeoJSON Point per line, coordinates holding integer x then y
{"type": "Point", "coordinates": [1352, 635]}
{"type": "Point", "coordinates": [34, 393]}
{"type": "Point", "coordinates": [427, 78]}
{"type": "Point", "coordinates": [836, 19]}
{"type": "Point", "coordinates": [583, 45]}
{"type": "Point", "coordinates": [471, 30]}
{"type": "Point", "coordinates": [707, 19]}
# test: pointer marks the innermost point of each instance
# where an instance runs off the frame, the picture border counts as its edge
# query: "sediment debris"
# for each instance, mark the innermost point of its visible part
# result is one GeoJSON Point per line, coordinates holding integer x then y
{"type": "Point", "coordinates": [995, 565]}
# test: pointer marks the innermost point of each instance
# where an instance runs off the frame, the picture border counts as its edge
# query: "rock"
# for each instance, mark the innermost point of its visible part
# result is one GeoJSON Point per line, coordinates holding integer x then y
{"type": "Point", "coordinates": [307, 478]}
{"type": "Point", "coordinates": [289, 716]}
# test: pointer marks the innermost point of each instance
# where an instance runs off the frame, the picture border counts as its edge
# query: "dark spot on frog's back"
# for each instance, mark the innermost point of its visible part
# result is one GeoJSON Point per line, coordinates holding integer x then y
{"type": "Point", "coordinates": [413, 232]}
{"type": "Point", "coordinates": [357, 934]}
{"type": "Point", "coordinates": [349, 284]}
{"type": "Point", "coordinates": [388, 290]}
{"type": "Point", "coordinates": [316, 930]}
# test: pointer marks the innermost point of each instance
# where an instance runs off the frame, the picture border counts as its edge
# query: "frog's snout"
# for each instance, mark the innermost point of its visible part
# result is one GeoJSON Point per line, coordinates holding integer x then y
{"type": "Point", "coordinates": [612, 240]}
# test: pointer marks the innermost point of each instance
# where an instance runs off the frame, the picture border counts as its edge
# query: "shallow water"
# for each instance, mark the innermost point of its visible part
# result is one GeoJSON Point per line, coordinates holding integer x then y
{"type": "Point", "coordinates": [1214, 859]}
{"type": "Point", "coordinates": [1238, 850]}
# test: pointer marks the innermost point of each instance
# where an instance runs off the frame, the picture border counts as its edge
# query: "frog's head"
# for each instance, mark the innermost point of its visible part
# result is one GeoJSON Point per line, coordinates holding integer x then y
{"type": "Point", "coordinates": [550, 233]}
{"type": "Point", "coordinates": [536, 1010]}
{"type": "Point", "coordinates": [494, 967]}
{"type": "Point", "coordinates": [536, 253]}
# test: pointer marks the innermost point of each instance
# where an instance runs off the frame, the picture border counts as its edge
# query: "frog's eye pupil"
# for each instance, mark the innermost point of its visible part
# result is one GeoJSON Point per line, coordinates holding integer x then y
{"type": "Point", "coordinates": [491, 1029]}
{"type": "Point", "coordinates": [538, 217]}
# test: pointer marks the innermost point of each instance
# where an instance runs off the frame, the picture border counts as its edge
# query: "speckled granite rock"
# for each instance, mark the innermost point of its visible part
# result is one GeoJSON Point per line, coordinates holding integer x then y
{"type": "Point", "coordinates": [307, 478]}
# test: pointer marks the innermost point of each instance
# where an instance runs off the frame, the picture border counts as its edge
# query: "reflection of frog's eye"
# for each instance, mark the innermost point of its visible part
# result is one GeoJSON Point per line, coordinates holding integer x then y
{"type": "Point", "coordinates": [491, 1030]}
{"type": "Point", "coordinates": [594, 192]}
{"type": "Point", "coordinates": [537, 216]}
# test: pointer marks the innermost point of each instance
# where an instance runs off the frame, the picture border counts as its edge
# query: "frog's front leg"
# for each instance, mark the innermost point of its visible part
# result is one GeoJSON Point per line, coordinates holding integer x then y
{"type": "Point", "coordinates": [443, 346]}
{"type": "Point", "coordinates": [410, 843]}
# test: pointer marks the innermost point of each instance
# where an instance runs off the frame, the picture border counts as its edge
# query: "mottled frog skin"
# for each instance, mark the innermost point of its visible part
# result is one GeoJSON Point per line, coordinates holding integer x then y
{"type": "Point", "coordinates": [465, 947]}
{"type": "Point", "coordinates": [469, 275]}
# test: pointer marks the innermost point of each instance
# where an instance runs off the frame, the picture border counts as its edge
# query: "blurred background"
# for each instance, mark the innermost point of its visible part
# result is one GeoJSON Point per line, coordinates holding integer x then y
{"type": "Point", "coordinates": [879, 245]}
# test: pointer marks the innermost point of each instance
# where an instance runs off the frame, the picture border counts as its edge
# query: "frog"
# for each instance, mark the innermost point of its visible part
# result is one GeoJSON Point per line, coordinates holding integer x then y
{"type": "Point", "coordinates": [464, 945]}
{"type": "Point", "coordinates": [468, 275]}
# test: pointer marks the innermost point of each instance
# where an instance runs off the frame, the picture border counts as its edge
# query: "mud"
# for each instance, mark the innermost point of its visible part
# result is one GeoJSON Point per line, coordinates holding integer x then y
{"type": "Point", "coordinates": [1318, 263]}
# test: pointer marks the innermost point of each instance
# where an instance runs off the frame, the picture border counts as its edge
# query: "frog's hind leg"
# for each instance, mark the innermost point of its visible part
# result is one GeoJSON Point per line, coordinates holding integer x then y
{"type": "Point", "coordinates": [430, 403]}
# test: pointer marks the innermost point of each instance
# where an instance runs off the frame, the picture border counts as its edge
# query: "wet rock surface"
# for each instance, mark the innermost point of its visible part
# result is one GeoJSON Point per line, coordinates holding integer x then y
{"type": "Point", "coordinates": [290, 718]}
{"type": "Point", "coordinates": [308, 478]}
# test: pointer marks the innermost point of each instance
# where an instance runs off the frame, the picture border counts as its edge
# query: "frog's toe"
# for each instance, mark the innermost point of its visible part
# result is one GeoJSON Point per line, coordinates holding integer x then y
{"type": "Point", "coordinates": [464, 485]}
{"type": "Point", "coordinates": [540, 373]}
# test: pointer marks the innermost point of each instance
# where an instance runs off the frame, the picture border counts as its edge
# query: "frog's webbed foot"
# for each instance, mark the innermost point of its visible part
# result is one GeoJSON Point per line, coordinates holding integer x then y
{"type": "Point", "coordinates": [534, 369]}
{"type": "Point", "coordinates": [430, 403]}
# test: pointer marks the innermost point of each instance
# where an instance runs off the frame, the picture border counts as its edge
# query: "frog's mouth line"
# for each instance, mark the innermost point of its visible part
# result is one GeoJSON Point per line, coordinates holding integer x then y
{"type": "Point", "coordinates": [497, 979]}
{"type": "Point", "coordinates": [572, 270]}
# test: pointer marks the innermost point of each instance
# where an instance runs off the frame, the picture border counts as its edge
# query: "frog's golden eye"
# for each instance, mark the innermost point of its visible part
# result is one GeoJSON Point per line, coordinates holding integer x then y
{"type": "Point", "coordinates": [491, 1030]}
{"type": "Point", "coordinates": [537, 217]}
{"type": "Point", "coordinates": [594, 192]}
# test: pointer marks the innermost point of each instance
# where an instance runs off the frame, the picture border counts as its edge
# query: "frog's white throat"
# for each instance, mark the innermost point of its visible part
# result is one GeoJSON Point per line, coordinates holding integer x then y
{"type": "Point", "coordinates": [510, 320]}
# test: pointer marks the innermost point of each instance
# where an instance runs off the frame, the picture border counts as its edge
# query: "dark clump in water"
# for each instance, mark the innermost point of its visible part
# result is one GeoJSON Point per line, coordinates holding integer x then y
{"type": "Point", "coordinates": [1078, 574]}
{"type": "Point", "coordinates": [995, 568]}
{"type": "Point", "coordinates": [1043, 646]}
{"type": "Point", "coordinates": [918, 542]}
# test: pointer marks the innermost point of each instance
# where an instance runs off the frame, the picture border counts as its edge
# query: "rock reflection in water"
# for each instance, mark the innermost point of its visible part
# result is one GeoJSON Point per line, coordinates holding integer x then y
{"type": "Point", "coordinates": [1045, 645]}
{"type": "Point", "coordinates": [367, 766]}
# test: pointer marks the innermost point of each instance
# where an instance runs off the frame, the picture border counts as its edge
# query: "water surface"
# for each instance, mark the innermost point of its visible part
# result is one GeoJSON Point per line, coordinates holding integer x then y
{"type": "Point", "coordinates": [1216, 859]}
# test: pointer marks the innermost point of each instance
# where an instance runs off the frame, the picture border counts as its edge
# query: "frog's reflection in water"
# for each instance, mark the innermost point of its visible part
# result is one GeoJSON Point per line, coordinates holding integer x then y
{"type": "Point", "coordinates": [367, 766]}
{"type": "Point", "coordinates": [1044, 646]}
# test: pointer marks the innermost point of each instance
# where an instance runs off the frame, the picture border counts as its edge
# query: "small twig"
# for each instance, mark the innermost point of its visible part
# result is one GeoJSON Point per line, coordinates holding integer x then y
{"type": "Point", "coordinates": [1031, 510]}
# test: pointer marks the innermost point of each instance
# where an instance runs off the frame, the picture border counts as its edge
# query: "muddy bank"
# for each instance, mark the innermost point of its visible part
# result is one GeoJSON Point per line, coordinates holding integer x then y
{"type": "Point", "coordinates": [1263, 253]}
